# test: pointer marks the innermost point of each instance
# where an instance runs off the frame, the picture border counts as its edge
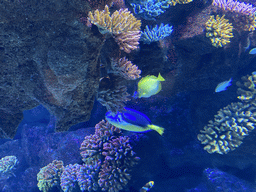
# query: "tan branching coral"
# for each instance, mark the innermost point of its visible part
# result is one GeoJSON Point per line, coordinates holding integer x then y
{"type": "Point", "coordinates": [124, 27]}
{"type": "Point", "coordinates": [247, 90]}
{"type": "Point", "coordinates": [119, 22]}
{"type": "Point", "coordinates": [174, 2]}
{"type": "Point", "coordinates": [49, 176]}
{"type": "Point", "coordinates": [219, 30]}
{"type": "Point", "coordinates": [128, 41]}
{"type": "Point", "coordinates": [125, 69]}
{"type": "Point", "coordinates": [230, 126]}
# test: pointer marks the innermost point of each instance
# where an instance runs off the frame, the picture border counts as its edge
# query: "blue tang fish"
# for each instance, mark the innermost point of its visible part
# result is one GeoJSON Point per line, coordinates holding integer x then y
{"type": "Point", "coordinates": [252, 51]}
{"type": "Point", "coordinates": [147, 186]}
{"type": "Point", "coordinates": [132, 120]}
{"type": "Point", "coordinates": [223, 85]}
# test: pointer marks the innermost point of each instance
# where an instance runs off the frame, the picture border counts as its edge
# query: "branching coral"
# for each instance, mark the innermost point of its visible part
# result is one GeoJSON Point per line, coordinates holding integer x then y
{"type": "Point", "coordinates": [111, 153]}
{"type": "Point", "coordinates": [128, 41]}
{"type": "Point", "coordinates": [149, 9]}
{"type": "Point", "coordinates": [219, 30]}
{"type": "Point", "coordinates": [121, 24]}
{"type": "Point", "coordinates": [125, 68]}
{"type": "Point", "coordinates": [235, 6]}
{"type": "Point", "coordinates": [247, 90]}
{"type": "Point", "coordinates": [242, 15]}
{"type": "Point", "coordinates": [49, 176]}
{"type": "Point", "coordinates": [230, 126]}
{"type": "Point", "coordinates": [156, 34]}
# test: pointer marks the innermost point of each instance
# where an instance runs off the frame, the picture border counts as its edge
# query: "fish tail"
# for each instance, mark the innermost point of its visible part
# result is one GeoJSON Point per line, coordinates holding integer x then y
{"type": "Point", "coordinates": [160, 78]}
{"type": "Point", "coordinates": [159, 130]}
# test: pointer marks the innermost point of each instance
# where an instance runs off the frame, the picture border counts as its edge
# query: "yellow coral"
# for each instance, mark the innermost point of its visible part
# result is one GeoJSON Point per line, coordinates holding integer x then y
{"type": "Point", "coordinates": [174, 2]}
{"type": "Point", "coordinates": [230, 126]}
{"type": "Point", "coordinates": [119, 22]}
{"type": "Point", "coordinates": [247, 90]}
{"type": "Point", "coordinates": [219, 30]}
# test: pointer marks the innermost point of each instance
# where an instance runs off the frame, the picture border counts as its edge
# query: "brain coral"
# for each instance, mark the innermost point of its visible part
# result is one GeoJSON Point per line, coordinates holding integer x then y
{"type": "Point", "coordinates": [230, 126]}
{"type": "Point", "coordinates": [219, 30]}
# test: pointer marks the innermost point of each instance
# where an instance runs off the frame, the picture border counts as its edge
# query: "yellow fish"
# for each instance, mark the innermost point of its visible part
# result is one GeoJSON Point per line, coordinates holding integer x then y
{"type": "Point", "coordinates": [147, 186]}
{"type": "Point", "coordinates": [132, 120]}
{"type": "Point", "coordinates": [149, 85]}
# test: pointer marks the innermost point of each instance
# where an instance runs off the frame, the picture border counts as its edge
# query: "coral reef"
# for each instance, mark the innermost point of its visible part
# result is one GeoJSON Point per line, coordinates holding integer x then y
{"type": "Point", "coordinates": [121, 24]}
{"type": "Point", "coordinates": [230, 126]}
{"type": "Point", "coordinates": [149, 9]}
{"type": "Point", "coordinates": [242, 15]}
{"type": "Point", "coordinates": [246, 88]}
{"type": "Point", "coordinates": [7, 164]}
{"type": "Point", "coordinates": [110, 154]}
{"type": "Point", "coordinates": [156, 33]}
{"type": "Point", "coordinates": [125, 69]}
{"type": "Point", "coordinates": [128, 41]}
{"type": "Point", "coordinates": [49, 176]}
{"type": "Point", "coordinates": [235, 6]}
{"type": "Point", "coordinates": [219, 30]}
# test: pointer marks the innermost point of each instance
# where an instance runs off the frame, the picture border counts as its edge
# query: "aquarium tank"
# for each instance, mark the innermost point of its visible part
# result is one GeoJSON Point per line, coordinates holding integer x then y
{"type": "Point", "coordinates": [127, 95]}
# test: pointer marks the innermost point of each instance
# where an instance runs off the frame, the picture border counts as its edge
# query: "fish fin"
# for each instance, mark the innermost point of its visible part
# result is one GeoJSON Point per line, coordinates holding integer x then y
{"type": "Point", "coordinates": [159, 130]}
{"type": "Point", "coordinates": [160, 78]}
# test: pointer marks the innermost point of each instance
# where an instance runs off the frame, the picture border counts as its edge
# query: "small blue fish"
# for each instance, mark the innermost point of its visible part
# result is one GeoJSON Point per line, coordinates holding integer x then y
{"type": "Point", "coordinates": [252, 51]}
{"type": "Point", "coordinates": [223, 85]}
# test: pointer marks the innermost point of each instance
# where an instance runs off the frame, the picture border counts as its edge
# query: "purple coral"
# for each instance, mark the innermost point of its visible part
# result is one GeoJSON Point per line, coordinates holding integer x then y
{"type": "Point", "coordinates": [235, 6]}
{"type": "Point", "coordinates": [110, 156]}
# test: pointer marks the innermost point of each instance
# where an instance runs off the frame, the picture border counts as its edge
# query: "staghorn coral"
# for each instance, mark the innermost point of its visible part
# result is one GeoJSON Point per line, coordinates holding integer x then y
{"type": "Point", "coordinates": [7, 165]}
{"type": "Point", "coordinates": [156, 34]}
{"type": "Point", "coordinates": [119, 22]}
{"type": "Point", "coordinates": [219, 30]}
{"type": "Point", "coordinates": [174, 2]}
{"type": "Point", "coordinates": [110, 155]}
{"type": "Point", "coordinates": [230, 126]}
{"type": "Point", "coordinates": [247, 90]}
{"type": "Point", "coordinates": [124, 27]}
{"type": "Point", "coordinates": [125, 69]}
{"type": "Point", "coordinates": [49, 176]}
